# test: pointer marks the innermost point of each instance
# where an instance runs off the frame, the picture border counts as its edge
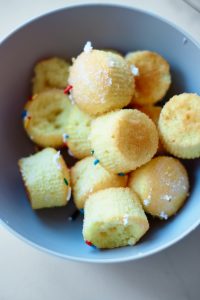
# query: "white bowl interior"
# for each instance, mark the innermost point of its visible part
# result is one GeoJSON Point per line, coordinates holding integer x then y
{"type": "Point", "coordinates": [64, 33]}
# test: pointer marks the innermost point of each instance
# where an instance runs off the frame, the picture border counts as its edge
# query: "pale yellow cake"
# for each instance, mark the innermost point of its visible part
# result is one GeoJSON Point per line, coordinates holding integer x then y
{"type": "Point", "coordinates": [88, 177]}
{"type": "Point", "coordinates": [123, 140]}
{"type": "Point", "coordinates": [113, 218]}
{"type": "Point", "coordinates": [50, 73]}
{"type": "Point", "coordinates": [179, 126]}
{"type": "Point", "coordinates": [47, 118]}
{"type": "Point", "coordinates": [78, 129]}
{"type": "Point", "coordinates": [46, 179]}
{"type": "Point", "coordinates": [153, 77]}
{"type": "Point", "coordinates": [102, 81]}
{"type": "Point", "coordinates": [162, 186]}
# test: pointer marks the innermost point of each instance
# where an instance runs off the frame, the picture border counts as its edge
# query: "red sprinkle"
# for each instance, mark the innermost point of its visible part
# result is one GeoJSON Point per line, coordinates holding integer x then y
{"type": "Point", "coordinates": [68, 89]}
{"type": "Point", "coordinates": [88, 243]}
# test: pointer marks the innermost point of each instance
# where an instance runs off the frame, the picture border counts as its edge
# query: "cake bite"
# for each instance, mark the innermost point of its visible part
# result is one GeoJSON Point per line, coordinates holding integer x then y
{"type": "Point", "coordinates": [152, 76]}
{"type": "Point", "coordinates": [46, 179]}
{"type": "Point", "coordinates": [162, 186]}
{"type": "Point", "coordinates": [101, 81]}
{"type": "Point", "coordinates": [123, 140]}
{"type": "Point", "coordinates": [88, 177]}
{"type": "Point", "coordinates": [113, 218]}
{"type": "Point", "coordinates": [179, 126]}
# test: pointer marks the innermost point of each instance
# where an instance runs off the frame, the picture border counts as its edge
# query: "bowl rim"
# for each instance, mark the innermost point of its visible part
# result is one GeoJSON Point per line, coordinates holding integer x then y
{"type": "Point", "coordinates": [130, 257]}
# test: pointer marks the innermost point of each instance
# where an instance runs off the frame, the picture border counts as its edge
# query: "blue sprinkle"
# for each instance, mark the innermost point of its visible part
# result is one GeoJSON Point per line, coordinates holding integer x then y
{"type": "Point", "coordinates": [92, 152]}
{"type": "Point", "coordinates": [24, 114]}
{"type": "Point", "coordinates": [66, 136]}
{"type": "Point", "coordinates": [121, 174]}
{"type": "Point", "coordinates": [96, 161]}
{"type": "Point", "coordinates": [82, 211]}
{"type": "Point", "coordinates": [93, 246]}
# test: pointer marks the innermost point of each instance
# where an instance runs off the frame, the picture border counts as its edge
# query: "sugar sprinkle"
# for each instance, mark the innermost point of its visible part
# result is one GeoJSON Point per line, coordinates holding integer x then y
{"type": "Point", "coordinates": [88, 47]}
{"type": "Point", "coordinates": [146, 202]}
{"type": "Point", "coordinates": [134, 70]}
{"type": "Point", "coordinates": [70, 153]}
{"type": "Point", "coordinates": [65, 181]}
{"type": "Point", "coordinates": [69, 193]}
{"type": "Point", "coordinates": [166, 197]}
{"type": "Point", "coordinates": [125, 220]}
{"type": "Point", "coordinates": [55, 160]}
{"type": "Point", "coordinates": [163, 215]}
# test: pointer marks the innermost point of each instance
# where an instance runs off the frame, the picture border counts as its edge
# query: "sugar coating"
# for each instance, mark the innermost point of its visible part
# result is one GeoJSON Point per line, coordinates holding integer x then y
{"type": "Point", "coordinates": [179, 125]}
{"type": "Point", "coordinates": [102, 81]}
{"type": "Point", "coordinates": [88, 178]}
{"type": "Point", "coordinates": [114, 217]}
{"type": "Point", "coordinates": [153, 80]}
{"type": "Point", "coordinates": [43, 180]}
{"type": "Point", "coordinates": [88, 47]}
{"type": "Point", "coordinates": [50, 73]}
{"type": "Point", "coordinates": [123, 140]}
{"type": "Point", "coordinates": [164, 183]}
{"type": "Point", "coordinates": [49, 113]}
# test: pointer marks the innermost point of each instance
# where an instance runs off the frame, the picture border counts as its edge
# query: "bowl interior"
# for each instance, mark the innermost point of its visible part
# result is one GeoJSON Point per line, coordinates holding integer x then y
{"type": "Point", "coordinates": [64, 33]}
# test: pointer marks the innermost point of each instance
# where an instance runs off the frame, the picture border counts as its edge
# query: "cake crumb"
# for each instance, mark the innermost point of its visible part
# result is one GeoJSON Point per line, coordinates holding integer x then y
{"type": "Point", "coordinates": [88, 47]}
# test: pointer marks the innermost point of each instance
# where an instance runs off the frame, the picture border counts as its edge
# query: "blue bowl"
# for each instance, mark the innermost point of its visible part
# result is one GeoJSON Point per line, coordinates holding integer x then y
{"type": "Point", "coordinates": [64, 33]}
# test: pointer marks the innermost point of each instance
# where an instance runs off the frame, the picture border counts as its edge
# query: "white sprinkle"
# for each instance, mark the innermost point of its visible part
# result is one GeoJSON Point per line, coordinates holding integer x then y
{"type": "Point", "coordinates": [69, 193]}
{"type": "Point", "coordinates": [131, 242]}
{"type": "Point", "coordinates": [166, 197]}
{"type": "Point", "coordinates": [55, 159]}
{"type": "Point", "coordinates": [146, 202]}
{"type": "Point", "coordinates": [91, 190]}
{"type": "Point", "coordinates": [185, 40]}
{"type": "Point", "coordinates": [125, 220]}
{"type": "Point", "coordinates": [163, 215]}
{"type": "Point", "coordinates": [88, 47]}
{"type": "Point", "coordinates": [70, 153]}
{"type": "Point", "coordinates": [73, 59]}
{"type": "Point", "coordinates": [70, 218]}
{"type": "Point", "coordinates": [111, 63]}
{"type": "Point", "coordinates": [134, 70]}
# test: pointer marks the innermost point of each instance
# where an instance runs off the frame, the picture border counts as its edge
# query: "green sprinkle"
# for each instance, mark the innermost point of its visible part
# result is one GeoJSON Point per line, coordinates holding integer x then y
{"type": "Point", "coordinates": [92, 152]}
{"type": "Point", "coordinates": [65, 181]}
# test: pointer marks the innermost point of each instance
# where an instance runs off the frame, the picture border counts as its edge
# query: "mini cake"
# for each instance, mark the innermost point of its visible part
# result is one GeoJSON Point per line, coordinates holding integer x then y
{"type": "Point", "coordinates": [88, 177]}
{"type": "Point", "coordinates": [179, 126]}
{"type": "Point", "coordinates": [50, 73]}
{"type": "Point", "coordinates": [101, 80]}
{"type": "Point", "coordinates": [113, 218]}
{"type": "Point", "coordinates": [78, 129]}
{"type": "Point", "coordinates": [45, 118]}
{"type": "Point", "coordinates": [162, 186]}
{"type": "Point", "coordinates": [123, 140]}
{"type": "Point", "coordinates": [46, 179]}
{"type": "Point", "coordinates": [153, 77]}
{"type": "Point", "coordinates": [153, 112]}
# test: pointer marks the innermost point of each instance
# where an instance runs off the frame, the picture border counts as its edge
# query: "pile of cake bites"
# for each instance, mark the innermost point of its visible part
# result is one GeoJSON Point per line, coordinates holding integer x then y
{"type": "Point", "coordinates": [101, 109]}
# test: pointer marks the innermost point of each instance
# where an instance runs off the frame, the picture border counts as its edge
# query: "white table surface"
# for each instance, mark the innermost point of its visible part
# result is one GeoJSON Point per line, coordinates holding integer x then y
{"type": "Point", "coordinates": [27, 273]}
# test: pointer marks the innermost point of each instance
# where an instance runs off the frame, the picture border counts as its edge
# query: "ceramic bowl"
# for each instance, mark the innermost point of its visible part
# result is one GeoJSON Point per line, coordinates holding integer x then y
{"type": "Point", "coordinates": [64, 33]}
